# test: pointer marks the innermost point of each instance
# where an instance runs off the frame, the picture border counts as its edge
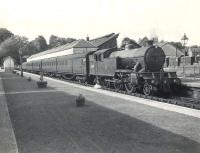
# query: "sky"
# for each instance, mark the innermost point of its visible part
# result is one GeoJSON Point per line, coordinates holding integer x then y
{"type": "Point", "coordinates": [167, 19]}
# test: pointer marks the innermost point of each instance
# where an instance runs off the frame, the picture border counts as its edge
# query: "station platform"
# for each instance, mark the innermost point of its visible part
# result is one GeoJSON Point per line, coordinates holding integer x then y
{"type": "Point", "coordinates": [47, 120]}
{"type": "Point", "coordinates": [7, 138]}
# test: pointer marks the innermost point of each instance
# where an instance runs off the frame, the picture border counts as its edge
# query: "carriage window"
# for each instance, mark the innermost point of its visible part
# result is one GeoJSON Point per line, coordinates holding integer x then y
{"type": "Point", "coordinates": [65, 62]}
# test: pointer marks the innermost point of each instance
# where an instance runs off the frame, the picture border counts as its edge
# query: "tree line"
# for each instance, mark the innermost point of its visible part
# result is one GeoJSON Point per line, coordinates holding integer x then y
{"type": "Point", "coordinates": [14, 45]}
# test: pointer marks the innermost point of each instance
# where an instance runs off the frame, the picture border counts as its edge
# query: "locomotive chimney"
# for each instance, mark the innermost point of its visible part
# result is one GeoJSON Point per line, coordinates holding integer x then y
{"type": "Point", "coordinates": [150, 43]}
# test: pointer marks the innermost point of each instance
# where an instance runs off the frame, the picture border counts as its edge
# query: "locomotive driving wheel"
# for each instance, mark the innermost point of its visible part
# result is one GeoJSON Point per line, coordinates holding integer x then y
{"type": "Point", "coordinates": [147, 89]}
{"type": "Point", "coordinates": [107, 84]}
{"type": "Point", "coordinates": [118, 85]}
{"type": "Point", "coordinates": [130, 87]}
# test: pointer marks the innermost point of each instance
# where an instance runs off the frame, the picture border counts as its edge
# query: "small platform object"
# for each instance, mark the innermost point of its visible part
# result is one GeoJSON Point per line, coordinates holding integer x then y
{"type": "Point", "coordinates": [41, 83]}
{"type": "Point", "coordinates": [80, 101]}
{"type": "Point", "coordinates": [97, 85]}
{"type": "Point", "coordinates": [29, 79]}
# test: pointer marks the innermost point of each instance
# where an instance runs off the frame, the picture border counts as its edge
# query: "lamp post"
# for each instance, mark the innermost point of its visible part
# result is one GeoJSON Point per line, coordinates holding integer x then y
{"type": "Point", "coordinates": [184, 41]}
{"type": "Point", "coordinates": [20, 58]}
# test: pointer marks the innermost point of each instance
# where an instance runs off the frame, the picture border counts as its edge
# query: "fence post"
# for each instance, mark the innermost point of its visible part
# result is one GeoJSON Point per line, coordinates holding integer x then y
{"type": "Point", "coordinates": [199, 67]}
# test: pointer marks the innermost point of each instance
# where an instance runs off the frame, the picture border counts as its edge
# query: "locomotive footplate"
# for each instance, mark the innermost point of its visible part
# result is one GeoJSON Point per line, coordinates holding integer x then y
{"type": "Point", "coordinates": [114, 83]}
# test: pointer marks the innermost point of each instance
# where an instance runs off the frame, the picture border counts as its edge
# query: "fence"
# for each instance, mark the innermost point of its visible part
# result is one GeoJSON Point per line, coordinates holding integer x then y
{"type": "Point", "coordinates": [186, 71]}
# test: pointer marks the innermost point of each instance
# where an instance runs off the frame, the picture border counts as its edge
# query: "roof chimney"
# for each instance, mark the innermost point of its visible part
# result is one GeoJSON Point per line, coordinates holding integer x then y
{"type": "Point", "coordinates": [87, 38]}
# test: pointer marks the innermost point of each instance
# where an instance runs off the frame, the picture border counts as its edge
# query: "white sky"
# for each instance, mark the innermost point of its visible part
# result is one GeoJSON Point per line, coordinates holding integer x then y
{"type": "Point", "coordinates": [169, 19]}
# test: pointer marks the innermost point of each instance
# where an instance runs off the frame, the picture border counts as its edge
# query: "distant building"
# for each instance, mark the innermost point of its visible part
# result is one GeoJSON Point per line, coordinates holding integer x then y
{"type": "Point", "coordinates": [105, 42]}
{"type": "Point", "coordinates": [170, 50]}
{"type": "Point", "coordinates": [172, 54]}
{"type": "Point", "coordinates": [8, 64]}
{"type": "Point", "coordinates": [76, 47]}
{"type": "Point", "coordinates": [194, 52]}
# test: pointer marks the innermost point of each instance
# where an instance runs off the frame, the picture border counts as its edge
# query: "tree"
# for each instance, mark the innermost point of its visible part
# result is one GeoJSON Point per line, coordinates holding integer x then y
{"type": "Point", "coordinates": [41, 43]}
{"type": "Point", "coordinates": [127, 40]}
{"type": "Point", "coordinates": [12, 46]}
{"type": "Point", "coordinates": [37, 45]}
{"type": "Point", "coordinates": [4, 34]}
{"type": "Point", "coordinates": [55, 41]}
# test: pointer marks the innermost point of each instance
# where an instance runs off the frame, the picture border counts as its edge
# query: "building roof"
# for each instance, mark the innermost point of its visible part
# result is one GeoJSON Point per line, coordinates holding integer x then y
{"type": "Point", "coordinates": [75, 44]}
{"type": "Point", "coordinates": [105, 52]}
{"type": "Point", "coordinates": [170, 50]}
{"type": "Point", "coordinates": [8, 57]}
{"type": "Point", "coordinates": [101, 40]}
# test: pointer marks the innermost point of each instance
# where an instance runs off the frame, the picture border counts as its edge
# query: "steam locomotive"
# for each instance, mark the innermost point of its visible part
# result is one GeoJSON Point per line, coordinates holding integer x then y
{"type": "Point", "coordinates": [133, 70]}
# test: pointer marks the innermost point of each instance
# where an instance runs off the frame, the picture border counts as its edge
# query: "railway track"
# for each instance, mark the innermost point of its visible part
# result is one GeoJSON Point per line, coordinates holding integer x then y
{"type": "Point", "coordinates": [180, 101]}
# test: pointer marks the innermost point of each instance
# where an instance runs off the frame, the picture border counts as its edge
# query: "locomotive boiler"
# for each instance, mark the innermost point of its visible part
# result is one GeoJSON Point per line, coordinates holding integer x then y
{"type": "Point", "coordinates": [149, 59]}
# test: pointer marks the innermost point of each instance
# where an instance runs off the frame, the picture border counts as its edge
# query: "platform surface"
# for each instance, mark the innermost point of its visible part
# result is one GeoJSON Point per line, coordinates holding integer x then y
{"type": "Point", "coordinates": [7, 138]}
{"type": "Point", "coordinates": [47, 120]}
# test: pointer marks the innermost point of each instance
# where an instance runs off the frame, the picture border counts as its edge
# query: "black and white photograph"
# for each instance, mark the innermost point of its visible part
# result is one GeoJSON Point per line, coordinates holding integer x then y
{"type": "Point", "coordinates": [99, 76]}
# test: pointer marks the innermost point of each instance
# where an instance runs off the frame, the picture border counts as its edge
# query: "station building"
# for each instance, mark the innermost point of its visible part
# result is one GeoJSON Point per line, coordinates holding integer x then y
{"type": "Point", "coordinates": [8, 64]}
{"type": "Point", "coordinates": [78, 46]}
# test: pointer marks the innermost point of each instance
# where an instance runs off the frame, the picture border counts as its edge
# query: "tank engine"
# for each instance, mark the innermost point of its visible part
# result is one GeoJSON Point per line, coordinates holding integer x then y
{"type": "Point", "coordinates": [138, 69]}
